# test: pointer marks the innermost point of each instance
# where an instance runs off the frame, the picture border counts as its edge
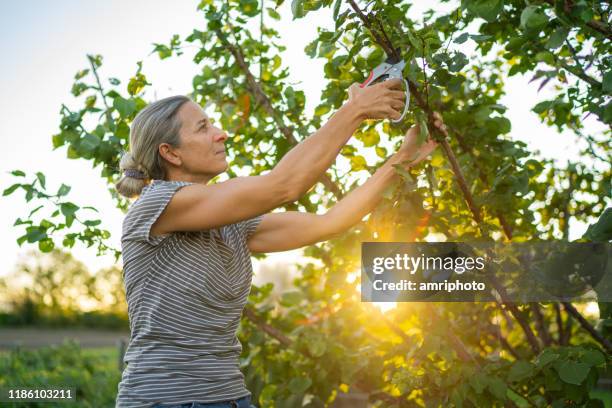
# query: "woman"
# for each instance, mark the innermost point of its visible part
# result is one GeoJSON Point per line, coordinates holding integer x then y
{"type": "Point", "coordinates": [186, 244]}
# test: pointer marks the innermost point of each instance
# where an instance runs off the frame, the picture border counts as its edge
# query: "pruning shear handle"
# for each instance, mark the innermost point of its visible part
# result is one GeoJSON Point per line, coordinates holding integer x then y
{"type": "Point", "coordinates": [389, 69]}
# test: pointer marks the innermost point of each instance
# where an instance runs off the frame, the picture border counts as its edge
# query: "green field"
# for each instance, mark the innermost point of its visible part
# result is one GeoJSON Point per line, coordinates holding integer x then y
{"type": "Point", "coordinates": [93, 372]}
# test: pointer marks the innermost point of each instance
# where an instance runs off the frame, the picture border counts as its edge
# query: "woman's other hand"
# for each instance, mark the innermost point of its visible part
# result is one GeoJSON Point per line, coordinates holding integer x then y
{"type": "Point", "coordinates": [384, 100]}
{"type": "Point", "coordinates": [415, 154]}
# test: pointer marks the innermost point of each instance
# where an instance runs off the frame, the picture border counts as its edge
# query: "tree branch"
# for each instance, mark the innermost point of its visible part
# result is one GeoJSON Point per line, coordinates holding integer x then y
{"type": "Point", "coordinates": [571, 310]}
{"type": "Point", "coordinates": [594, 24]}
{"type": "Point", "coordinates": [255, 89]}
{"type": "Point", "coordinates": [109, 118]}
{"type": "Point", "coordinates": [559, 319]}
{"type": "Point", "coordinates": [482, 176]}
{"type": "Point", "coordinates": [531, 338]}
{"type": "Point", "coordinates": [541, 324]}
{"type": "Point", "coordinates": [504, 342]}
{"type": "Point", "coordinates": [386, 46]}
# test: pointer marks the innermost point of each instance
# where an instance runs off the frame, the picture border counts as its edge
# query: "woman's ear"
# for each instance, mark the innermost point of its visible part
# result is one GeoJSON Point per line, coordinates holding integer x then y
{"type": "Point", "coordinates": [168, 153]}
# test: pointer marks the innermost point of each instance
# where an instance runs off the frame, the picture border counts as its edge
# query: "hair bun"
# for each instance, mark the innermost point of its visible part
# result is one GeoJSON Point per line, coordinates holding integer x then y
{"type": "Point", "coordinates": [134, 176]}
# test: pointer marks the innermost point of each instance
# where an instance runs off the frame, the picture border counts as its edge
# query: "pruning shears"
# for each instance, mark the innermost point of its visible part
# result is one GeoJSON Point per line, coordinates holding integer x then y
{"type": "Point", "coordinates": [391, 68]}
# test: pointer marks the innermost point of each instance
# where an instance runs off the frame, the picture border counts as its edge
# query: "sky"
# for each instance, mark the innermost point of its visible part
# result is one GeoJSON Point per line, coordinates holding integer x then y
{"type": "Point", "coordinates": [43, 44]}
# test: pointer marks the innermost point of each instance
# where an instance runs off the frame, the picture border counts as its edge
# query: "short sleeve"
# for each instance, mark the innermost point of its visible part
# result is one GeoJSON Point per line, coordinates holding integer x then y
{"type": "Point", "coordinates": [146, 210]}
{"type": "Point", "coordinates": [248, 227]}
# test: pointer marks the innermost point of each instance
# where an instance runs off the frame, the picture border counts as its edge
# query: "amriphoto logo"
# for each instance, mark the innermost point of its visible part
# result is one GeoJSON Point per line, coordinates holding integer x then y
{"type": "Point", "coordinates": [486, 271]}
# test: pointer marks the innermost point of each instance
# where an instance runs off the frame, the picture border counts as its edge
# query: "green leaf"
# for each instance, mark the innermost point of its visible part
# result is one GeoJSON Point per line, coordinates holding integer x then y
{"type": "Point", "coordinates": [458, 61]}
{"type": "Point", "coordinates": [41, 179]}
{"type": "Point", "coordinates": [607, 82]}
{"type": "Point", "coordinates": [81, 74]}
{"type": "Point", "coordinates": [316, 346]}
{"type": "Point", "coordinates": [573, 372]}
{"type": "Point", "coordinates": [462, 38]}
{"type": "Point", "coordinates": [322, 109]}
{"type": "Point", "coordinates": [292, 298]}
{"type": "Point", "coordinates": [423, 130]}
{"type": "Point", "coordinates": [358, 163]}
{"type": "Point", "coordinates": [21, 239]}
{"type": "Point", "coordinates": [18, 173]}
{"type": "Point", "coordinates": [311, 48]}
{"type": "Point", "coordinates": [520, 370]}
{"type": "Point", "coordinates": [46, 245]}
{"type": "Point", "coordinates": [457, 397]}
{"type": "Point", "coordinates": [92, 223]}
{"type": "Point", "coordinates": [593, 358]}
{"type": "Point", "coordinates": [601, 231]}
{"type": "Point", "coordinates": [478, 383]}
{"type": "Point", "coordinates": [498, 388]}
{"type": "Point", "coordinates": [35, 233]}
{"type": "Point", "coordinates": [480, 38]}
{"type": "Point", "coordinates": [19, 221]}
{"type": "Point", "coordinates": [486, 9]}
{"type": "Point", "coordinates": [547, 357]}
{"type": "Point", "coordinates": [533, 19]}
{"type": "Point", "coordinates": [125, 107]}
{"type": "Point", "coordinates": [63, 190]}
{"type": "Point", "coordinates": [502, 124]}
{"type": "Point", "coordinates": [249, 7]}
{"type": "Point", "coordinates": [273, 13]}
{"type": "Point", "coordinates": [557, 38]}
{"type": "Point", "coordinates": [88, 144]}
{"type": "Point", "coordinates": [68, 241]}
{"type": "Point", "coordinates": [297, 8]}
{"type": "Point", "coordinates": [34, 211]}
{"type": "Point", "coordinates": [545, 56]}
{"type": "Point", "coordinates": [68, 209]}
{"type": "Point", "coordinates": [369, 138]}
{"type": "Point", "coordinates": [542, 107]}
{"type": "Point", "coordinates": [337, 9]}
{"type": "Point", "coordinates": [299, 385]}
{"type": "Point", "coordinates": [11, 189]}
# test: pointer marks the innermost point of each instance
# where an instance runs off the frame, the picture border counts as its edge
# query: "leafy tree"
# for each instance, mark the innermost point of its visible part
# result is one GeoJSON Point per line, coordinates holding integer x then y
{"type": "Point", "coordinates": [56, 289]}
{"type": "Point", "coordinates": [480, 184]}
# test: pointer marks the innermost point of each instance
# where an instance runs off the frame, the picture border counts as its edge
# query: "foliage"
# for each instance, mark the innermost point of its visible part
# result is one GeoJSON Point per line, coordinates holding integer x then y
{"type": "Point", "coordinates": [94, 376]}
{"type": "Point", "coordinates": [481, 185]}
{"type": "Point", "coordinates": [55, 290]}
{"type": "Point", "coordinates": [63, 215]}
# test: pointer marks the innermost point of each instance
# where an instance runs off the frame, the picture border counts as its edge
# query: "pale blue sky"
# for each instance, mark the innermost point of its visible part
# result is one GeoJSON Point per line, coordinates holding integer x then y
{"type": "Point", "coordinates": [43, 44]}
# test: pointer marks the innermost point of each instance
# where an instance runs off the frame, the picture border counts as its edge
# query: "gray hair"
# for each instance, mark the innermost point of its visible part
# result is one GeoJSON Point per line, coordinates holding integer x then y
{"type": "Point", "coordinates": [157, 123]}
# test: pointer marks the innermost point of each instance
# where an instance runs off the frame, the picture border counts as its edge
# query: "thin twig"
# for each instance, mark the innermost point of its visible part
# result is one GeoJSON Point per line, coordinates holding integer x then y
{"type": "Point", "coordinates": [571, 310]}
{"type": "Point", "coordinates": [559, 319]}
{"type": "Point", "coordinates": [109, 118]}
{"type": "Point", "coordinates": [541, 324]}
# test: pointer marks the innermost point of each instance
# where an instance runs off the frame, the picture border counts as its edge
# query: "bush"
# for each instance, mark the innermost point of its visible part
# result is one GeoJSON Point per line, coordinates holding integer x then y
{"type": "Point", "coordinates": [94, 375]}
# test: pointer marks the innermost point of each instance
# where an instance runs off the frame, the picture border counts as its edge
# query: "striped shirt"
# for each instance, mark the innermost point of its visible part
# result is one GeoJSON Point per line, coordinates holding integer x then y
{"type": "Point", "coordinates": [185, 293]}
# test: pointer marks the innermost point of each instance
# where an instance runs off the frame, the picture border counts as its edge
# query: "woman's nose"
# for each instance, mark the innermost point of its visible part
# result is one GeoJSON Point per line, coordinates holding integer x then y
{"type": "Point", "coordinates": [221, 135]}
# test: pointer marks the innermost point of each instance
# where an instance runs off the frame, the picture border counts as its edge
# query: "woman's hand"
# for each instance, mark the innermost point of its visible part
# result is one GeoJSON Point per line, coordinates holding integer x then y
{"type": "Point", "coordinates": [414, 154]}
{"type": "Point", "coordinates": [380, 101]}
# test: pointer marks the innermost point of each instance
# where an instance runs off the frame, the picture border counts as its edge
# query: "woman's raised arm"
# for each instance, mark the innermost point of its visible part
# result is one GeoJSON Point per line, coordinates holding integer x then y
{"type": "Point", "coordinates": [199, 207]}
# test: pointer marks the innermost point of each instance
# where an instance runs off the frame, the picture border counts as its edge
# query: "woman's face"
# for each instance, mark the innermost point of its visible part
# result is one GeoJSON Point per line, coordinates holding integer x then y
{"type": "Point", "coordinates": [202, 148]}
